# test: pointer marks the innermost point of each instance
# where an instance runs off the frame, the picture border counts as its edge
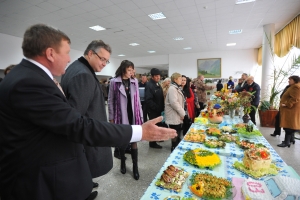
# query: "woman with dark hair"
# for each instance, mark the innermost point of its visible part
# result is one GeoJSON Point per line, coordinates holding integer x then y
{"type": "Point", "coordinates": [124, 107]}
{"type": "Point", "coordinates": [190, 104]}
{"type": "Point", "coordinates": [290, 111]}
{"type": "Point", "coordinates": [7, 69]}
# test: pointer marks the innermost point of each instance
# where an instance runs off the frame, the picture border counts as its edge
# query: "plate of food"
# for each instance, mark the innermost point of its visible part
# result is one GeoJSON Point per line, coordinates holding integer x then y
{"type": "Point", "coordinates": [195, 137]}
{"type": "Point", "coordinates": [239, 125]}
{"type": "Point", "coordinates": [211, 125]}
{"type": "Point", "coordinates": [228, 129]}
{"type": "Point", "coordinates": [208, 186]}
{"type": "Point", "coordinates": [172, 178]}
{"type": "Point", "coordinates": [246, 144]}
{"type": "Point", "coordinates": [228, 138]}
{"type": "Point", "coordinates": [213, 131]}
{"type": "Point", "coordinates": [213, 143]}
{"type": "Point", "coordinates": [193, 130]}
{"type": "Point", "coordinates": [202, 158]}
{"type": "Point", "coordinates": [257, 163]}
{"type": "Point", "coordinates": [248, 132]}
{"type": "Point", "coordinates": [175, 197]}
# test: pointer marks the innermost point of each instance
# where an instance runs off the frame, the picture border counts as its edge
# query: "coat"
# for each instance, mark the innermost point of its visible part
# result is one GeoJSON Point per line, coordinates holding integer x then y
{"type": "Point", "coordinates": [254, 87]}
{"type": "Point", "coordinates": [290, 114]}
{"type": "Point", "coordinates": [41, 151]}
{"type": "Point", "coordinates": [201, 93]}
{"type": "Point", "coordinates": [134, 89]}
{"type": "Point", "coordinates": [84, 92]}
{"type": "Point", "coordinates": [154, 99]}
{"type": "Point", "coordinates": [174, 106]}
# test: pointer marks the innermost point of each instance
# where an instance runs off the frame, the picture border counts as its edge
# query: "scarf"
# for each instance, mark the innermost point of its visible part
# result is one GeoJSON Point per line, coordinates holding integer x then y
{"type": "Point", "coordinates": [117, 106]}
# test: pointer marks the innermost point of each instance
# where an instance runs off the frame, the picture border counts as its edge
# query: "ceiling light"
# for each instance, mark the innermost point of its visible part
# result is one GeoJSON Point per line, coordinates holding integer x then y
{"type": "Point", "coordinates": [243, 1]}
{"type": "Point", "coordinates": [121, 55]}
{"type": "Point", "coordinates": [231, 44]}
{"type": "Point", "coordinates": [134, 44]}
{"type": "Point", "coordinates": [157, 16]}
{"type": "Point", "coordinates": [187, 48]}
{"type": "Point", "coordinates": [151, 51]}
{"type": "Point", "coordinates": [97, 28]}
{"type": "Point", "coordinates": [178, 38]}
{"type": "Point", "coordinates": [236, 31]}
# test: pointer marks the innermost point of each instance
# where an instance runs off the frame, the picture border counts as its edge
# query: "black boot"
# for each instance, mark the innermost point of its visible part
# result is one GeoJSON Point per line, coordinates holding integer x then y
{"type": "Point", "coordinates": [117, 153]}
{"type": "Point", "coordinates": [293, 138]}
{"type": "Point", "coordinates": [123, 164]}
{"type": "Point", "coordinates": [174, 145]}
{"type": "Point", "coordinates": [286, 142]}
{"type": "Point", "coordinates": [134, 156]}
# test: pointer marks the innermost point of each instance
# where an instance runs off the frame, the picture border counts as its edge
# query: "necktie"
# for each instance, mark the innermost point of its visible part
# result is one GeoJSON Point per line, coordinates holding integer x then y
{"type": "Point", "coordinates": [58, 85]}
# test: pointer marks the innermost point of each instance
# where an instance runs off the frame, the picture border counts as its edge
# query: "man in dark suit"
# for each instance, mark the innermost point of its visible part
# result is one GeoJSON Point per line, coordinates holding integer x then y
{"type": "Point", "coordinates": [154, 98]}
{"type": "Point", "coordinates": [253, 87]}
{"type": "Point", "coordinates": [41, 151]}
{"type": "Point", "coordinates": [85, 93]}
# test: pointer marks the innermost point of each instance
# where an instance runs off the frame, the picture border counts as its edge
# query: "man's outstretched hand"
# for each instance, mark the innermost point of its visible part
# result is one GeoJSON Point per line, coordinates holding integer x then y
{"type": "Point", "coordinates": [151, 132]}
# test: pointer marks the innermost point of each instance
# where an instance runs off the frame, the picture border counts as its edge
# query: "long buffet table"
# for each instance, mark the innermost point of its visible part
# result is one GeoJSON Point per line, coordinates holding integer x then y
{"type": "Point", "coordinates": [228, 155]}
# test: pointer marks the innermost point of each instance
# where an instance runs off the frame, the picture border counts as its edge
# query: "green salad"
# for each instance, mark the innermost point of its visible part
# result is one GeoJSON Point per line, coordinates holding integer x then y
{"type": "Point", "coordinates": [243, 132]}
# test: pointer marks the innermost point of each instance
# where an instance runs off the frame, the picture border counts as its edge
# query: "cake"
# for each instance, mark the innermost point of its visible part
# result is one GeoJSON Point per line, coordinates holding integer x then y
{"type": "Point", "coordinates": [275, 188]}
{"type": "Point", "coordinates": [257, 158]}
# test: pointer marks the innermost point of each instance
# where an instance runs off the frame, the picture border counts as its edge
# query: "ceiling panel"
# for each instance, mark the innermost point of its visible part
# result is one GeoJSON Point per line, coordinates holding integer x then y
{"type": "Point", "coordinates": [204, 24]}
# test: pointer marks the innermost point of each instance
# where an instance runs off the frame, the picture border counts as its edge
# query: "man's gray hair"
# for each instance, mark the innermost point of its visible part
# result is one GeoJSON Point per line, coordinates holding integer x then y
{"type": "Point", "coordinates": [95, 45]}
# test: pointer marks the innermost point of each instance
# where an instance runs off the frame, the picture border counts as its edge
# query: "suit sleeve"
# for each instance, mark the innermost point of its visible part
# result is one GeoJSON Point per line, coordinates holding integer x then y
{"type": "Point", "coordinates": [43, 105]}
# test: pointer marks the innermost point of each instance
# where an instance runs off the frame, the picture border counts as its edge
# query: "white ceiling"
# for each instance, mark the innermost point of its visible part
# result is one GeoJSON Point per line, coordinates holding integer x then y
{"type": "Point", "coordinates": [204, 24]}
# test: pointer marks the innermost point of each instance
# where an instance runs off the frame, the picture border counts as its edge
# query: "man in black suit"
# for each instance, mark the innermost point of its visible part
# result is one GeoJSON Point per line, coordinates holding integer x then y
{"type": "Point", "coordinates": [253, 87]}
{"type": "Point", "coordinates": [41, 151]}
{"type": "Point", "coordinates": [85, 93]}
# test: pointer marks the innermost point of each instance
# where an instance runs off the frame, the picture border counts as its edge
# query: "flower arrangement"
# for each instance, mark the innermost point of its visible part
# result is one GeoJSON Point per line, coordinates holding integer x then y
{"type": "Point", "coordinates": [232, 101]}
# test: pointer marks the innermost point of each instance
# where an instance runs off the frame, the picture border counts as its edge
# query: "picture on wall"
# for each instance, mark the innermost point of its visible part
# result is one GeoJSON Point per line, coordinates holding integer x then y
{"type": "Point", "coordinates": [209, 67]}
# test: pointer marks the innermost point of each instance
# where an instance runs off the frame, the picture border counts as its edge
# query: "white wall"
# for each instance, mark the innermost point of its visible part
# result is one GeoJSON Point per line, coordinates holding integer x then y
{"type": "Point", "coordinates": [11, 53]}
{"type": "Point", "coordinates": [233, 63]}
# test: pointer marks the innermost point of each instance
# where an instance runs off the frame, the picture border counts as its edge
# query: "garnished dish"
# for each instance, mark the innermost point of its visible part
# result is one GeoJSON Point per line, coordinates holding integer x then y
{"type": "Point", "coordinates": [195, 137]}
{"type": "Point", "coordinates": [173, 178]}
{"type": "Point", "coordinates": [228, 129]}
{"type": "Point", "coordinates": [246, 144]}
{"type": "Point", "coordinates": [248, 132]}
{"type": "Point", "coordinates": [193, 130]}
{"type": "Point", "coordinates": [239, 125]}
{"type": "Point", "coordinates": [202, 158]}
{"type": "Point", "coordinates": [208, 186]}
{"type": "Point", "coordinates": [213, 132]}
{"type": "Point", "coordinates": [228, 138]}
{"type": "Point", "coordinates": [179, 198]}
{"type": "Point", "coordinates": [212, 143]}
{"type": "Point", "coordinates": [212, 125]}
{"type": "Point", "coordinates": [257, 163]}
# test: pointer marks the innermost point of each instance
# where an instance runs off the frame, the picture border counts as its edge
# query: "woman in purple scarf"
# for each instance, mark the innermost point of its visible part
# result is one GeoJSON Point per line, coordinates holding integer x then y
{"type": "Point", "coordinates": [124, 107]}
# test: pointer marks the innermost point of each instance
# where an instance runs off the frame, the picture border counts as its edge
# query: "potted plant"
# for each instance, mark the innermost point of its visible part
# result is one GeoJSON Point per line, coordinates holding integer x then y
{"type": "Point", "coordinates": [267, 108]}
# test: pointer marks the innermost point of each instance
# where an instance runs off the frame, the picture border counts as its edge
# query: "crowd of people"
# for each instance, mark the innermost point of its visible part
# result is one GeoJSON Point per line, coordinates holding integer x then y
{"type": "Point", "coordinates": [63, 136]}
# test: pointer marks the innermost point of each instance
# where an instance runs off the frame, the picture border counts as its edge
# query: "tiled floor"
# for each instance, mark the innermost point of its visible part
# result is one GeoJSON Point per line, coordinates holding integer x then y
{"type": "Point", "coordinates": [115, 185]}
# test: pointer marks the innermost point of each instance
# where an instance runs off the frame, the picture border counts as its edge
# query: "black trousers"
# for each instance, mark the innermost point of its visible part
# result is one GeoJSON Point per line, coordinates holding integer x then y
{"type": "Point", "coordinates": [252, 115]}
{"type": "Point", "coordinates": [277, 130]}
{"type": "Point", "coordinates": [144, 111]}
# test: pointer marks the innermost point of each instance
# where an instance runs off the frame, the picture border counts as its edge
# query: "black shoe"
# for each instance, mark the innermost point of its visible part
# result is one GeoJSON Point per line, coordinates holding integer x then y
{"type": "Point", "coordinates": [95, 185]}
{"type": "Point", "coordinates": [92, 196]}
{"type": "Point", "coordinates": [283, 145]}
{"type": "Point", "coordinates": [293, 142]}
{"type": "Point", "coordinates": [117, 155]}
{"type": "Point", "coordinates": [155, 146]}
{"type": "Point", "coordinates": [274, 135]}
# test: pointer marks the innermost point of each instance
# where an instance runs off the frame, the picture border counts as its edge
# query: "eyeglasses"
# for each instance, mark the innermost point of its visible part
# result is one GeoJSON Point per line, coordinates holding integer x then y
{"type": "Point", "coordinates": [102, 59]}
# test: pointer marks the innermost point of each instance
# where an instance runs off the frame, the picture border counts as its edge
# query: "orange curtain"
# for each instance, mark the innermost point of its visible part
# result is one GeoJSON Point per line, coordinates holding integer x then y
{"type": "Point", "coordinates": [286, 38]}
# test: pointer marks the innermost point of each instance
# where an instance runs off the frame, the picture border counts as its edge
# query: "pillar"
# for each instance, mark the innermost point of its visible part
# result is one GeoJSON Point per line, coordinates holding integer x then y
{"type": "Point", "coordinates": [267, 59]}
